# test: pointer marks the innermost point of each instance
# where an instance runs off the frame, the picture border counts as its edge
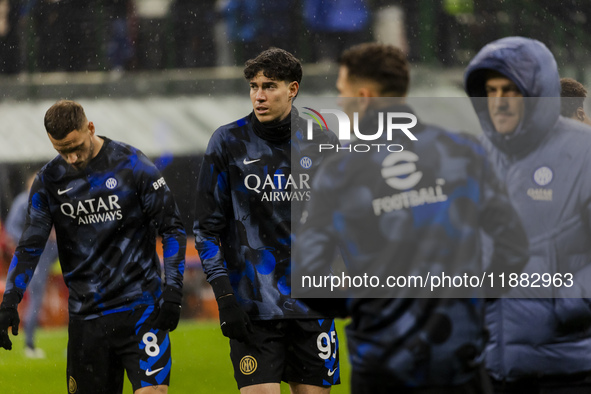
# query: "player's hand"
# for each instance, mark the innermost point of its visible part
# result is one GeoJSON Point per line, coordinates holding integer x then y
{"type": "Point", "coordinates": [8, 318]}
{"type": "Point", "coordinates": [170, 309]}
{"type": "Point", "coordinates": [234, 321]}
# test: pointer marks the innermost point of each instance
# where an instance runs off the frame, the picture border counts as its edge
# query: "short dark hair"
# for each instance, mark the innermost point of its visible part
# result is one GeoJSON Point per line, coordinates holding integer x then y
{"type": "Point", "coordinates": [383, 64]}
{"type": "Point", "coordinates": [63, 117]}
{"type": "Point", "coordinates": [275, 63]}
{"type": "Point", "coordinates": [576, 93]}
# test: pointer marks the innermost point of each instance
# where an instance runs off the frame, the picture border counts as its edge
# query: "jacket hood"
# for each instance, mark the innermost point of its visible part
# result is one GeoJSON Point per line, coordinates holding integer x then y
{"type": "Point", "coordinates": [531, 66]}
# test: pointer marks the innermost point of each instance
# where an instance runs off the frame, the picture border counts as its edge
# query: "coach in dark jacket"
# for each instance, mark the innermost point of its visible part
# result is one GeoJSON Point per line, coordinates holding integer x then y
{"type": "Point", "coordinates": [540, 338]}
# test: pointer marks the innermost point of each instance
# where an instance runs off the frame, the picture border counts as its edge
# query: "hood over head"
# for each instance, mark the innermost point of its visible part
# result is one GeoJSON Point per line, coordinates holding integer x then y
{"type": "Point", "coordinates": [532, 67]}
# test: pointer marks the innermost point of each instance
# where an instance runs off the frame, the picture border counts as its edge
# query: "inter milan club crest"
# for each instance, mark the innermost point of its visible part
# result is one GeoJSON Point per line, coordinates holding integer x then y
{"type": "Point", "coordinates": [72, 386]}
{"type": "Point", "coordinates": [111, 183]}
{"type": "Point", "coordinates": [306, 162]}
{"type": "Point", "coordinates": [543, 176]}
{"type": "Point", "coordinates": [248, 365]}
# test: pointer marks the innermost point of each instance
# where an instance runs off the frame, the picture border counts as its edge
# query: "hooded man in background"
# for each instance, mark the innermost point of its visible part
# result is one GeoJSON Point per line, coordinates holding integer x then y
{"type": "Point", "coordinates": [540, 340]}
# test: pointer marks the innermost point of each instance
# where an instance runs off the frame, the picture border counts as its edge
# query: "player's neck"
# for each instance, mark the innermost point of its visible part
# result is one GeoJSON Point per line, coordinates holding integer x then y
{"type": "Point", "coordinates": [98, 143]}
{"type": "Point", "coordinates": [278, 131]}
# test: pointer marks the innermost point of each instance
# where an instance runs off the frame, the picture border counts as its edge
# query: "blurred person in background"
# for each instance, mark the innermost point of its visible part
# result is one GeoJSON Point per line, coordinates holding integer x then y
{"type": "Point", "coordinates": [335, 26]}
{"type": "Point", "coordinates": [153, 37]}
{"type": "Point", "coordinates": [254, 25]}
{"type": "Point", "coordinates": [10, 16]}
{"type": "Point", "coordinates": [119, 15]}
{"type": "Point", "coordinates": [399, 344]}
{"type": "Point", "coordinates": [49, 35]}
{"type": "Point", "coordinates": [193, 33]}
{"type": "Point", "coordinates": [572, 104]}
{"type": "Point", "coordinates": [66, 35]}
{"type": "Point", "coordinates": [541, 336]}
{"type": "Point", "coordinates": [15, 224]}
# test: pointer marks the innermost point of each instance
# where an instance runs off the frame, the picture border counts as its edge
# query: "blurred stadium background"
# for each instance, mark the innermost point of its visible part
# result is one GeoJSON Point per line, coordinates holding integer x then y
{"type": "Point", "coordinates": [162, 75]}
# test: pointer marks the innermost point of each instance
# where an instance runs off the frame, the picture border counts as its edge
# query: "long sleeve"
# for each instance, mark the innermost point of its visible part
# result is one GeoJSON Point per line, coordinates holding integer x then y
{"type": "Point", "coordinates": [501, 223]}
{"type": "Point", "coordinates": [213, 190]}
{"type": "Point", "coordinates": [316, 242]}
{"type": "Point", "coordinates": [158, 202]}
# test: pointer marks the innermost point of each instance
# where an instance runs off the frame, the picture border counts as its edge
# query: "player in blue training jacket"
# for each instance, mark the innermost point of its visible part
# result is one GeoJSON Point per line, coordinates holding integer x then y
{"type": "Point", "coordinates": [248, 193]}
{"type": "Point", "coordinates": [106, 201]}
{"type": "Point", "coordinates": [401, 214]}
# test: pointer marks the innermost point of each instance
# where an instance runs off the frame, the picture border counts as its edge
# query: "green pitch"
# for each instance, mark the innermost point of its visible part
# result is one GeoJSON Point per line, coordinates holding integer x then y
{"type": "Point", "coordinates": [201, 363]}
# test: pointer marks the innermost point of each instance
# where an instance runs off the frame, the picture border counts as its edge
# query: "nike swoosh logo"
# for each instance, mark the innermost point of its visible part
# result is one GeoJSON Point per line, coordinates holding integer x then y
{"type": "Point", "coordinates": [150, 373]}
{"type": "Point", "coordinates": [332, 371]}
{"type": "Point", "coordinates": [60, 192]}
{"type": "Point", "coordinates": [250, 161]}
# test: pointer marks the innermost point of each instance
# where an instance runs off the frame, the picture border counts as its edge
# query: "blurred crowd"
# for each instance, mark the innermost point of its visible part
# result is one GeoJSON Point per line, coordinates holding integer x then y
{"type": "Point", "coordinates": [93, 35]}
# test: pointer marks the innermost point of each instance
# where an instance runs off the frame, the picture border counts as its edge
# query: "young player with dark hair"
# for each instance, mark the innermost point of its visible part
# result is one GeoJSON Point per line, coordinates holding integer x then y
{"type": "Point", "coordinates": [573, 95]}
{"type": "Point", "coordinates": [107, 202]}
{"type": "Point", "coordinates": [243, 233]}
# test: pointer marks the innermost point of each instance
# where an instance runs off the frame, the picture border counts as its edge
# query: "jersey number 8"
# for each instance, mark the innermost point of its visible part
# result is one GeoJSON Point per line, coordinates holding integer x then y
{"type": "Point", "coordinates": [151, 341]}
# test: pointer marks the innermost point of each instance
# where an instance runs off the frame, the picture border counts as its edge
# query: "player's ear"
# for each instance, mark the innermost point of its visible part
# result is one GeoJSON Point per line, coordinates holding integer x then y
{"type": "Point", "coordinates": [364, 92]}
{"type": "Point", "coordinates": [363, 98]}
{"type": "Point", "coordinates": [91, 128]}
{"type": "Point", "coordinates": [580, 114]}
{"type": "Point", "coordinates": [293, 88]}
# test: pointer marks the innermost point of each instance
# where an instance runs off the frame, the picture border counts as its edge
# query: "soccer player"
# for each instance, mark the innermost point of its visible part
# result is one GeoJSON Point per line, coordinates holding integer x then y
{"type": "Point", "coordinates": [573, 95]}
{"type": "Point", "coordinates": [540, 338]}
{"type": "Point", "coordinates": [248, 191]}
{"type": "Point", "coordinates": [15, 223]}
{"type": "Point", "coordinates": [409, 212]}
{"type": "Point", "coordinates": [106, 201]}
